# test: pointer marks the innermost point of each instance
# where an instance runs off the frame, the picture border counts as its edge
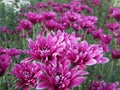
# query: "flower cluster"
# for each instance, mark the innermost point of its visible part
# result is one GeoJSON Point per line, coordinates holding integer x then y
{"type": "Point", "coordinates": [55, 53]}
{"type": "Point", "coordinates": [114, 28]}
{"type": "Point", "coordinates": [101, 85]}
{"type": "Point", "coordinates": [58, 53]}
{"type": "Point", "coordinates": [6, 58]}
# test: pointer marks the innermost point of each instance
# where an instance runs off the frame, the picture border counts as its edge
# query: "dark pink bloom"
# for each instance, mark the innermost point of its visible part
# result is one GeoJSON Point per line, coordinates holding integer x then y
{"type": "Point", "coordinates": [9, 31]}
{"type": "Point", "coordinates": [27, 75]}
{"type": "Point", "coordinates": [13, 52]}
{"type": "Point", "coordinates": [51, 46]}
{"type": "Point", "coordinates": [106, 38]}
{"type": "Point", "coordinates": [25, 24]}
{"type": "Point", "coordinates": [114, 28]}
{"type": "Point", "coordinates": [86, 54]}
{"type": "Point", "coordinates": [50, 24]}
{"type": "Point", "coordinates": [95, 2]}
{"type": "Point", "coordinates": [45, 48]}
{"type": "Point", "coordinates": [115, 54]}
{"type": "Point", "coordinates": [19, 28]}
{"type": "Point", "coordinates": [104, 46]}
{"type": "Point", "coordinates": [118, 41]}
{"type": "Point", "coordinates": [5, 61]}
{"type": "Point", "coordinates": [97, 34]}
{"type": "Point", "coordinates": [34, 17]}
{"type": "Point", "coordinates": [65, 21]}
{"type": "Point", "coordinates": [116, 14]}
{"type": "Point", "coordinates": [57, 7]}
{"type": "Point", "coordinates": [40, 5]}
{"type": "Point", "coordinates": [49, 15]}
{"type": "Point", "coordinates": [72, 16]}
{"type": "Point", "coordinates": [87, 21]}
{"type": "Point", "coordinates": [102, 85]}
{"type": "Point", "coordinates": [2, 51]}
{"type": "Point", "coordinates": [3, 29]}
{"type": "Point", "coordinates": [60, 77]}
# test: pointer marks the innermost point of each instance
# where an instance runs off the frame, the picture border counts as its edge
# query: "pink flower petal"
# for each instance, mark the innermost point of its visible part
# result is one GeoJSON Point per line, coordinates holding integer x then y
{"type": "Point", "coordinates": [41, 85]}
{"type": "Point", "coordinates": [77, 81]}
{"type": "Point", "coordinates": [91, 62]}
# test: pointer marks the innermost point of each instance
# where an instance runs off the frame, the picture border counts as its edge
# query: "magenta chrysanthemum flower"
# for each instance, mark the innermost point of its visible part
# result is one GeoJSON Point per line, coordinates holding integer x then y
{"type": "Point", "coordinates": [116, 14]}
{"type": "Point", "coordinates": [13, 52]}
{"type": "Point", "coordinates": [5, 61]}
{"type": "Point", "coordinates": [34, 18]}
{"type": "Point", "coordinates": [87, 21]}
{"type": "Point", "coordinates": [60, 77]}
{"type": "Point", "coordinates": [115, 54]}
{"type": "Point", "coordinates": [46, 48]}
{"type": "Point", "coordinates": [106, 38]}
{"type": "Point", "coordinates": [118, 41]}
{"type": "Point", "coordinates": [25, 24]}
{"type": "Point", "coordinates": [3, 29]}
{"type": "Point", "coordinates": [49, 15]}
{"type": "Point", "coordinates": [86, 54]}
{"type": "Point", "coordinates": [27, 75]}
{"type": "Point", "coordinates": [114, 28]}
{"type": "Point", "coordinates": [101, 85]}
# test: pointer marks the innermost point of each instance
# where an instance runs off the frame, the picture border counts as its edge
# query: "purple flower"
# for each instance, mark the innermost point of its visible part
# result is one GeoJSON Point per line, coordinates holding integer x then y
{"type": "Point", "coordinates": [87, 21]}
{"type": "Point", "coordinates": [51, 46]}
{"type": "Point", "coordinates": [118, 41]}
{"type": "Point", "coordinates": [45, 48]}
{"type": "Point", "coordinates": [95, 2]}
{"type": "Point", "coordinates": [101, 85]}
{"type": "Point", "coordinates": [2, 51]}
{"type": "Point", "coordinates": [86, 54]}
{"type": "Point", "coordinates": [13, 52]}
{"type": "Point", "coordinates": [27, 74]}
{"type": "Point", "coordinates": [49, 15]}
{"type": "Point", "coordinates": [106, 39]}
{"type": "Point", "coordinates": [104, 46]}
{"type": "Point", "coordinates": [114, 28]}
{"type": "Point", "coordinates": [115, 54]}
{"type": "Point", "coordinates": [116, 14]}
{"type": "Point", "coordinates": [19, 28]}
{"type": "Point", "coordinates": [5, 61]}
{"type": "Point", "coordinates": [72, 16]}
{"type": "Point", "coordinates": [50, 24]}
{"type": "Point", "coordinates": [25, 24]}
{"type": "Point", "coordinates": [59, 76]}
{"type": "Point", "coordinates": [97, 34]}
{"type": "Point", "coordinates": [65, 21]}
{"type": "Point", "coordinates": [3, 29]}
{"type": "Point", "coordinates": [34, 18]}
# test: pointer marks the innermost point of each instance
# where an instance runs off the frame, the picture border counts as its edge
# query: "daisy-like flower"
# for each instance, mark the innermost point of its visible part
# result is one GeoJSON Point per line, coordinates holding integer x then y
{"type": "Point", "coordinates": [60, 77]}
{"type": "Point", "coordinates": [27, 75]}
{"type": "Point", "coordinates": [101, 85]}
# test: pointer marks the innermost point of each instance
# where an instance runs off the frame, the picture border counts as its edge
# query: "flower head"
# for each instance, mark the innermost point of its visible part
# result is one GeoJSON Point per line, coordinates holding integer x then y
{"type": "Point", "coordinates": [25, 24]}
{"type": "Point", "coordinates": [5, 61]}
{"type": "Point", "coordinates": [27, 74]}
{"type": "Point", "coordinates": [13, 52]}
{"type": "Point", "coordinates": [115, 54]}
{"type": "Point", "coordinates": [86, 54]}
{"type": "Point", "coordinates": [51, 46]}
{"type": "Point", "coordinates": [34, 18]}
{"type": "Point", "coordinates": [60, 77]}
